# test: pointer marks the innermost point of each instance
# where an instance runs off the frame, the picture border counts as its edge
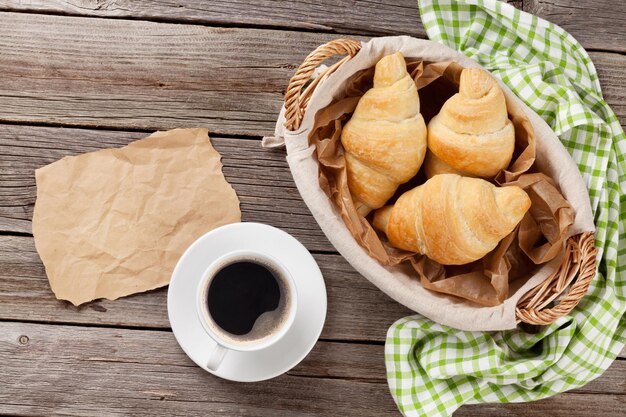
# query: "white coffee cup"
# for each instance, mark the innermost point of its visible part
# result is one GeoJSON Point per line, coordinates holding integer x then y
{"type": "Point", "coordinates": [225, 341]}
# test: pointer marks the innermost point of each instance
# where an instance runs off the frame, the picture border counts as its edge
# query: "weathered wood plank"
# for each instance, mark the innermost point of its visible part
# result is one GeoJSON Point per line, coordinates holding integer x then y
{"type": "Point", "coordinates": [88, 371]}
{"type": "Point", "coordinates": [260, 177]}
{"type": "Point", "coordinates": [67, 383]}
{"type": "Point", "coordinates": [562, 405]}
{"type": "Point", "coordinates": [112, 372]}
{"type": "Point", "coordinates": [596, 24]}
{"type": "Point", "coordinates": [356, 309]}
{"type": "Point", "coordinates": [374, 17]}
{"type": "Point", "coordinates": [146, 75]}
{"type": "Point", "coordinates": [325, 15]}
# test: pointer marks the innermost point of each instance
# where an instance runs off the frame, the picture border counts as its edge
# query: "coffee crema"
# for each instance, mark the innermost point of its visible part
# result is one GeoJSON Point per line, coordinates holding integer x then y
{"type": "Point", "coordinates": [247, 300]}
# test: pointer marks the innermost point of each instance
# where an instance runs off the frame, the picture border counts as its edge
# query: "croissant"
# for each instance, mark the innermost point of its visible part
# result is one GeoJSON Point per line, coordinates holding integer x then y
{"type": "Point", "coordinates": [472, 133]}
{"type": "Point", "coordinates": [453, 220]}
{"type": "Point", "coordinates": [435, 166]}
{"type": "Point", "coordinates": [385, 140]}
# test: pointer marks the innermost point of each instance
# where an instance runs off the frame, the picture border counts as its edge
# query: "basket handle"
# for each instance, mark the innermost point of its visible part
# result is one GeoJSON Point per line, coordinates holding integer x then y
{"type": "Point", "coordinates": [530, 309]}
{"type": "Point", "coordinates": [295, 99]}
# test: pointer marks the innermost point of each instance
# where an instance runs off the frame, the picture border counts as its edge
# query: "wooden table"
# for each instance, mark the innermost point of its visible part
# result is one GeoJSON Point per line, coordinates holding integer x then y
{"type": "Point", "coordinates": [81, 75]}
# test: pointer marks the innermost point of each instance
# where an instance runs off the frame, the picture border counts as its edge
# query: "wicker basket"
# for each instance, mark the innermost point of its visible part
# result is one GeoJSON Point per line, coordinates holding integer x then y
{"type": "Point", "coordinates": [556, 296]}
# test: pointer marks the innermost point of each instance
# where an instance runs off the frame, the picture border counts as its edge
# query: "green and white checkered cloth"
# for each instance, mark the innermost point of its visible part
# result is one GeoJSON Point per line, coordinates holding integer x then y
{"type": "Point", "coordinates": [432, 369]}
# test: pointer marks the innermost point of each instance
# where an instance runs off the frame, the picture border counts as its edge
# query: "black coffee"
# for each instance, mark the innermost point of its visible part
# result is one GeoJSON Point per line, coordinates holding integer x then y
{"type": "Point", "coordinates": [246, 299]}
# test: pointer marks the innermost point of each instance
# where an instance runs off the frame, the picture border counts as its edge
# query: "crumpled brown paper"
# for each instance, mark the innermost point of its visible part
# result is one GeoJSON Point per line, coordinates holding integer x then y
{"type": "Point", "coordinates": [115, 222]}
{"type": "Point", "coordinates": [538, 239]}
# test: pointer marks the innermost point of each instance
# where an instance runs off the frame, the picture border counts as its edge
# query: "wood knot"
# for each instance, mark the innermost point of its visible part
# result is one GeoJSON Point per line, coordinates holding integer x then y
{"type": "Point", "coordinates": [162, 395]}
{"type": "Point", "coordinates": [98, 307]}
{"type": "Point", "coordinates": [23, 339]}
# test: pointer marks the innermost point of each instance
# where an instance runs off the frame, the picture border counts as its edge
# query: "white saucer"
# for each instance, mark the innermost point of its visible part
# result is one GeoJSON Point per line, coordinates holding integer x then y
{"type": "Point", "coordinates": [311, 307]}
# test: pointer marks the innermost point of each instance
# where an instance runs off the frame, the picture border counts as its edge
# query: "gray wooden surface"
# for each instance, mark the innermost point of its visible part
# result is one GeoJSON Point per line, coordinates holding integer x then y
{"type": "Point", "coordinates": [81, 75]}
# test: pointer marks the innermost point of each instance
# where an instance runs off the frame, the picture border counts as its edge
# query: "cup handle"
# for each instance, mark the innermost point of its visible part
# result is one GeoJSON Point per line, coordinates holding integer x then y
{"type": "Point", "coordinates": [216, 357]}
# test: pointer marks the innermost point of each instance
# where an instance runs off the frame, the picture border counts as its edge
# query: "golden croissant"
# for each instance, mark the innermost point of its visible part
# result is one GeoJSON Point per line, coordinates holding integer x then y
{"type": "Point", "coordinates": [435, 166]}
{"type": "Point", "coordinates": [453, 220]}
{"type": "Point", "coordinates": [472, 133]}
{"type": "Point", "coordinates": [385, 140]}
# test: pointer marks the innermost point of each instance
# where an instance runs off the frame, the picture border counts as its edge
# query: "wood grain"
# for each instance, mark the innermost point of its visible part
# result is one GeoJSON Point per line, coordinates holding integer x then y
{"type": "Point", "coordinates": [356, 309]}
{"type": "Point", "coordinates": [94, 371]}
{"type": "Point", "coordinates": [113, 372]}
{"type": "Point", "coordinates": [596, 24]}
{"type": "Point", "coordinates": [562, 405]}
{"type": "Point", "coordinates": [144, 75]}
{"type": "Point", "coordinates": [138, 75]}
{"type": "Point", "coordinates": [374, 17]}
